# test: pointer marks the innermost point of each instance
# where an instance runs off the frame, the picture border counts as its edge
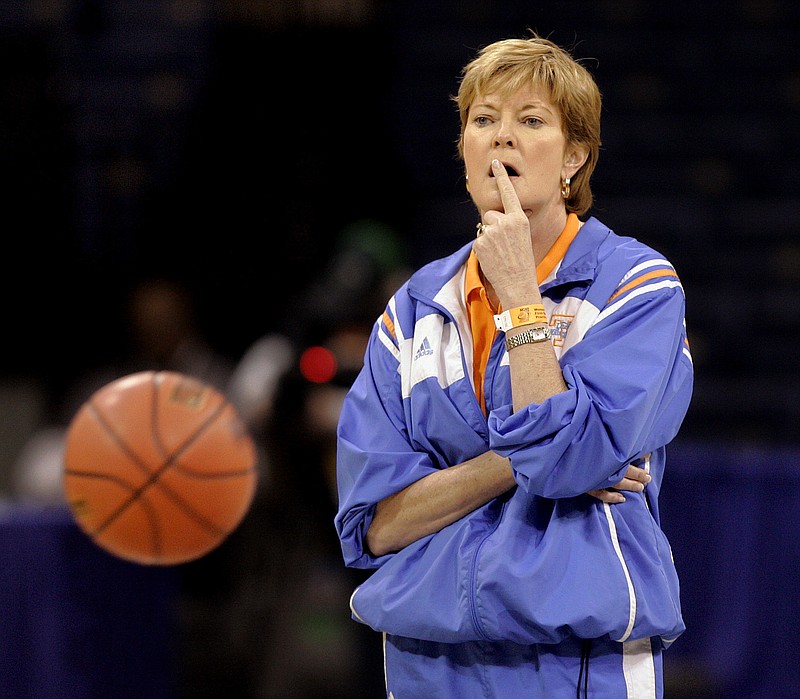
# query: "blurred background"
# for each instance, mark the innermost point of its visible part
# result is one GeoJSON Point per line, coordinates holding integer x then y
{"type": "Point", "coordinates": [233, 188]}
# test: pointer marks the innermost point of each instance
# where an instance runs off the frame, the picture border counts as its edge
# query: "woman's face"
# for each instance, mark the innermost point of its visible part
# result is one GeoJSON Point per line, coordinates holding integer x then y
{"type": "Point", "coordinates": [523, 131]}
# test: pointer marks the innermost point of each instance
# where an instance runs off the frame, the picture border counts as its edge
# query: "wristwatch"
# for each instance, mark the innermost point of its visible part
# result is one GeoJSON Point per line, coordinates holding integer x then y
{"type": "Point", "coordinates": [540, 333]}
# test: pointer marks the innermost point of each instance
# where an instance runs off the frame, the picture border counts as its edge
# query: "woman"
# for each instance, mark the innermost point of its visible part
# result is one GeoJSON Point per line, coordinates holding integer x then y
{"type": "Point", "coordinates": [501, 453]}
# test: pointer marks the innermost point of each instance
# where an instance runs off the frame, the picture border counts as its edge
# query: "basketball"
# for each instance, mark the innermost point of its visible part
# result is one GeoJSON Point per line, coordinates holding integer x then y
{"type": "Point", "coordinates": [158, 468]}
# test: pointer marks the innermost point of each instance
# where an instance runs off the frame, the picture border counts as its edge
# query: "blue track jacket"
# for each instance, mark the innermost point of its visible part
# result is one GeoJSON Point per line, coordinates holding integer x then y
{"type": "Point", "coordinates": [545, 561]}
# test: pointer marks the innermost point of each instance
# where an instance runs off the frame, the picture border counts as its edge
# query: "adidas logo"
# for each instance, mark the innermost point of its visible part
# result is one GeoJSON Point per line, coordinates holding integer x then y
{"type": "Point", "coordinates": [424, 349]}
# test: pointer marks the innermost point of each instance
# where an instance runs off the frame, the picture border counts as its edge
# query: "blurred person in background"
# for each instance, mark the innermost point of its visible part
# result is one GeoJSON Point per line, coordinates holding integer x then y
{"type": "Point", "coordinates": [264, 609]}
{"type": "Point", "coordinates": [500, 455]}
{"type": "Point", "coordinates": [160, 332]}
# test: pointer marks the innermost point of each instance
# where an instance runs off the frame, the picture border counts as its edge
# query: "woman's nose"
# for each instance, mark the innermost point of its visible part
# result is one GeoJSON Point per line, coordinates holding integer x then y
{"type": "Point", "coordinates": [504, 136]}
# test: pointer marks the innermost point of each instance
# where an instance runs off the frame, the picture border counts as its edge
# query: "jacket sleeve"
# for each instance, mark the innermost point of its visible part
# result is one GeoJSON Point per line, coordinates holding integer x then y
{"type": "Point", "coordinates": [629, 383]}
{"type": "Point", "coordinates": [374, 455]}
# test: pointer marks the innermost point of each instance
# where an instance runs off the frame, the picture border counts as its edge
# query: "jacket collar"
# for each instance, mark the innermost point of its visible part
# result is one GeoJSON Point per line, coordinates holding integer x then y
{"type": "Point", "coordinates": [578, 265]}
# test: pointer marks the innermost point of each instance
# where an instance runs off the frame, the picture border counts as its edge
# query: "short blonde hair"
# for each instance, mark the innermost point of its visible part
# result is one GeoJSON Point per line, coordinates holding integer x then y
{"type": "Point", "coordinates": [511, 64]}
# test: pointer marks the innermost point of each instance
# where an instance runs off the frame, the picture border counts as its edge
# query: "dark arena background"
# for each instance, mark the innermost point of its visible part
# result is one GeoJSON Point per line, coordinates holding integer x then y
{"type": "Point", "coordinates": [232, 189]}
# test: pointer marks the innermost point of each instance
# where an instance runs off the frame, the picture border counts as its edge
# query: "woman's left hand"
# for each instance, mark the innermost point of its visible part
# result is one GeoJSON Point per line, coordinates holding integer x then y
{"type": "Point", "coordinates": [635, 480]}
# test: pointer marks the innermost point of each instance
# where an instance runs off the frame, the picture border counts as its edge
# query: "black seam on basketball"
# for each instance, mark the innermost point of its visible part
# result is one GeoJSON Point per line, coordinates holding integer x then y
{"type": "Point", "coordinates": [154, 475]}
{"type": "Point", "coordinates": [157, 381]}
{"type": "Point", "coordinates": [134, 492]}
{"type": "Point", "coordinates": [171, 459]}
{"type": "Point", "coordinates": [109, 428]}
{"type": "Point", "coordinates": [155, 530]}
{"type": "Point", "coordinates": [136, 497]}
{"type": "Point", "coordinates": [80, 473]}
{"type": "Point", "coordinates": [204, 476]}
{"type": "Point", "coordinates": [188, 510]}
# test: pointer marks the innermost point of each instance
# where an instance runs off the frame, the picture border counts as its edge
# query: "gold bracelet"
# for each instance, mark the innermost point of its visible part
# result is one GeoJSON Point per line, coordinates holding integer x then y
{"type": "Point", "coordinates": [521, 315]}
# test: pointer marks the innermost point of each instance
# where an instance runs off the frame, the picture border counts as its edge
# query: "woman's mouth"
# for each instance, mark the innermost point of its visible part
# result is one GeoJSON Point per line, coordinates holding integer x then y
{"type": "Point", "coordinates": [510, 170]}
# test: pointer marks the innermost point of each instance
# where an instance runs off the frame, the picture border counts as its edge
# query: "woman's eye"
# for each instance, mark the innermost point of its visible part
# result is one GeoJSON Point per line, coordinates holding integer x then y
{"type": "Point", "coordinates": [481, 120]}
{"type": "Point", "coordinates": [533, 121]}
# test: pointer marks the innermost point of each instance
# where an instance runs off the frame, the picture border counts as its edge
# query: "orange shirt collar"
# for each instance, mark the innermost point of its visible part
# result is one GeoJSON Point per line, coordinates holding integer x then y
{"type": "Point", "coordinates": [544, 269]}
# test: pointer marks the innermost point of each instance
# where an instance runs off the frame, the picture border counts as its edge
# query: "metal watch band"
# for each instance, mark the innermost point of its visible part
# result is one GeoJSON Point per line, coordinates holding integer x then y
{"type": "Point", "coordinates": [540, 333]}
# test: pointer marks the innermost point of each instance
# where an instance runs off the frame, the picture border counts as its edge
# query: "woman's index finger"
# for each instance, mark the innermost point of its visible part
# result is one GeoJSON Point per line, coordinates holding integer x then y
{"type": "Point", "coordinates": [508, 195]}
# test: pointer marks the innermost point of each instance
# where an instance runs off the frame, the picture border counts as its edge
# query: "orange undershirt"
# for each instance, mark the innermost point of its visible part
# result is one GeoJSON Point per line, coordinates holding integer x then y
{"type": "Point", "coordinates": [480, 311]}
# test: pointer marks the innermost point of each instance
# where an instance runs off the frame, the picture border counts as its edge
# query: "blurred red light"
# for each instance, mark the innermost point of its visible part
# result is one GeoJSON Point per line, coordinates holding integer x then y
{"type": "Point", "coordinates": [318, 364]}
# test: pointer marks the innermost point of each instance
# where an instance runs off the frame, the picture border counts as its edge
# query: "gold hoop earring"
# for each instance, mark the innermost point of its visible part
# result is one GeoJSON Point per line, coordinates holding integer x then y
{"type": "Point", "coordinates": [565, 187]}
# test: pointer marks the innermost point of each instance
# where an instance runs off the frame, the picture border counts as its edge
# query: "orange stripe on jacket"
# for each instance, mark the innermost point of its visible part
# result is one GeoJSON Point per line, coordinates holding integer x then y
{"type": "Point", "coordinates": [641, 280]}
{"type": "Point", "coordinates": [387, 321]}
